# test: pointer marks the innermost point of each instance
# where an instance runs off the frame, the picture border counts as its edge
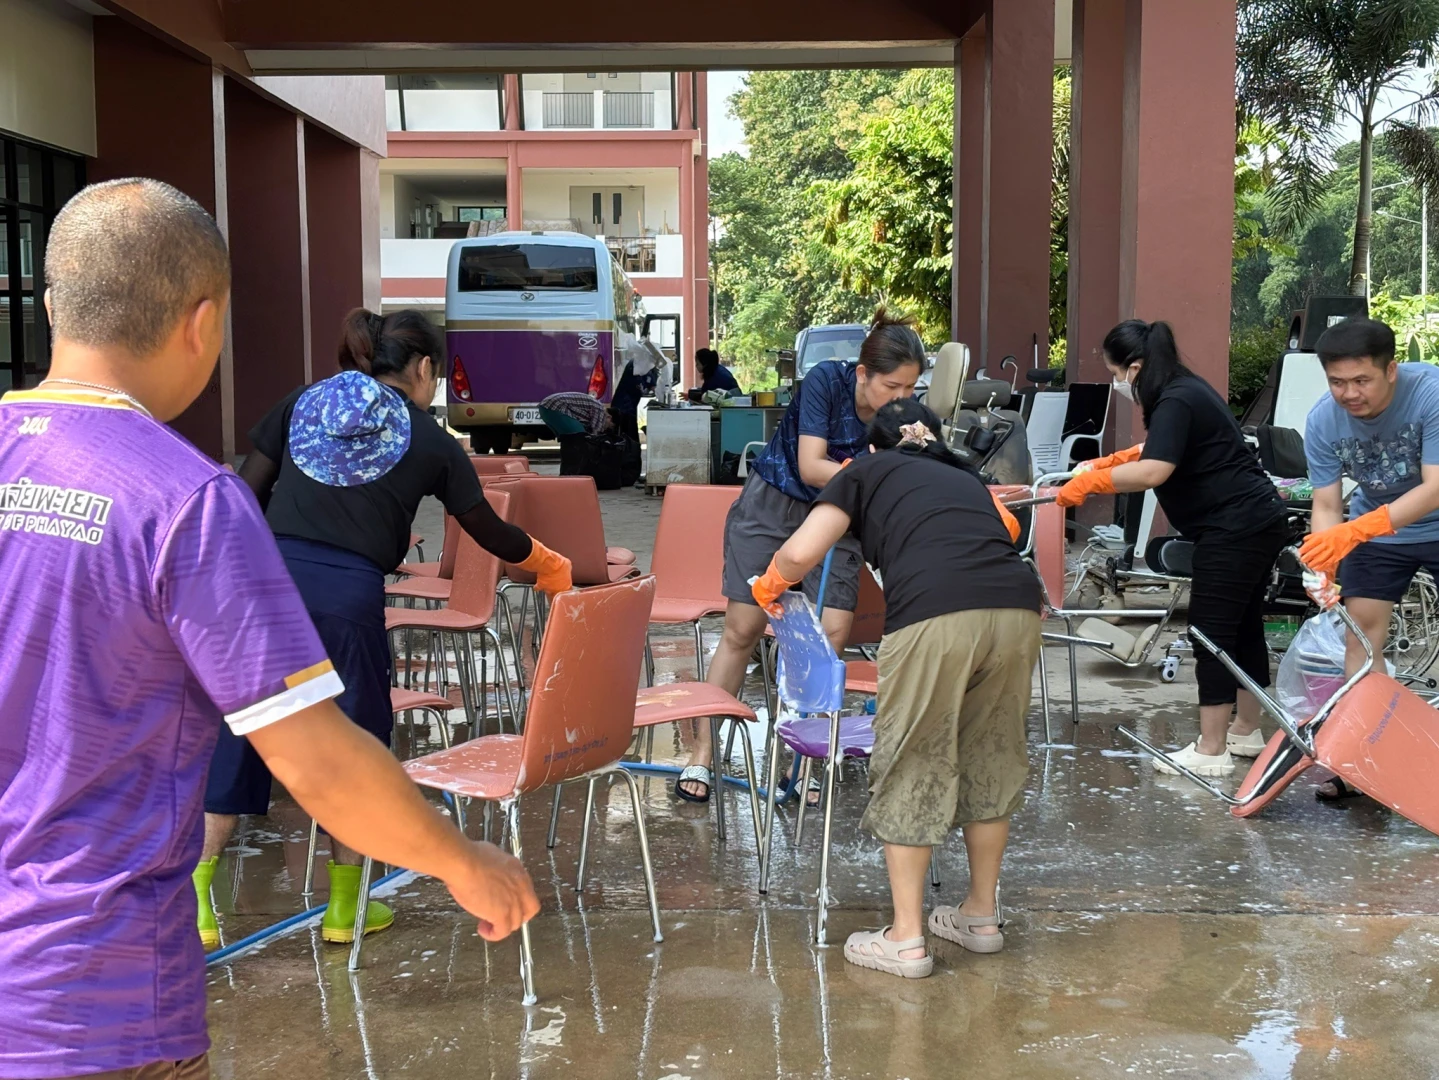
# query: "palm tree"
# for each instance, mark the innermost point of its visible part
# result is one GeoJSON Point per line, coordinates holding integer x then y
{"type": "Point", "coordinates": [1305, 64]}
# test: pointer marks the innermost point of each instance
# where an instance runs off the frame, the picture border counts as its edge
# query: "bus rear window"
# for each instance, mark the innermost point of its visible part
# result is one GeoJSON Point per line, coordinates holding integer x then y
{"type": "Point", "coordinates": [528, 267]}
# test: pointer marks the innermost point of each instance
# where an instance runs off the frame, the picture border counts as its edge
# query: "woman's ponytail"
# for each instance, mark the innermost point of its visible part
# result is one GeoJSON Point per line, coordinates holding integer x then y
{"type": "Point", "coordinates": [912, 427]}
{"type": "Point", "coordinates": [387, 344]}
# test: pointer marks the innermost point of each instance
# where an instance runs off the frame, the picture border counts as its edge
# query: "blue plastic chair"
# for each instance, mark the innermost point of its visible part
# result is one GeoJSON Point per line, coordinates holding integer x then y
{"type": "Point", "coordinates": [811, 680]}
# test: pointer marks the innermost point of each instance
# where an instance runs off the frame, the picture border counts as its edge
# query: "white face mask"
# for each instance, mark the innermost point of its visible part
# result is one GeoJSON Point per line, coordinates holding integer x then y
{"type": "Point", "coordinates": [1124, 388]}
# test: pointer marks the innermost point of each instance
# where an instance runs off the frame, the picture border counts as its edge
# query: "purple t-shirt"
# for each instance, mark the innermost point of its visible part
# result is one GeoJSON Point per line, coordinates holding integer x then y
{"type": "Point", "coordinates": [143, 601]}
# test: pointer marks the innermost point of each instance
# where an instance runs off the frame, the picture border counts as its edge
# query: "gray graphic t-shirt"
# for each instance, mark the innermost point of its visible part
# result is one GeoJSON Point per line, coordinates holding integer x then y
{"type": "Point", "coordinates": [1383, 456]}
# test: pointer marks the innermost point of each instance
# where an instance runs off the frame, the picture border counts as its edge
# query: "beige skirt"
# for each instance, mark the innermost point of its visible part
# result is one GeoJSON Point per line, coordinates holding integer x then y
{"type": "Point", "coordinates": [949, 729]}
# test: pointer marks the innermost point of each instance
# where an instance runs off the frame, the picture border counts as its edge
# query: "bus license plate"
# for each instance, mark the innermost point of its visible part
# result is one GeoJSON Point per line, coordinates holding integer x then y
{"type": "Point", "coordinates": [526, 416]}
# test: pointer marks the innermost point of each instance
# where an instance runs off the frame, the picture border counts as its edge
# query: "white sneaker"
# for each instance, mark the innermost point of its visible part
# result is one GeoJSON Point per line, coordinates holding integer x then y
{"type": "Point", "coordinates": [1251, 745]}
{"type": "Point", "coordinates": [1195, 762]}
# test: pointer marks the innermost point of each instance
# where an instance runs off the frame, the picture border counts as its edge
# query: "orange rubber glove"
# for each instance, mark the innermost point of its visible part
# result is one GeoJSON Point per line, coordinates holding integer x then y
{"type": "Point", "coordinates": [1119, 457]}
{"type": "Point", "coordinates": [551, 569]}
{"type": "Point", "coordinates": [768, 589]}
{"type": "Point", "coordinates": [1094, 482]}
{"type": "Point", "coordinates": [1325, 550]}
{"type": "Point", "coordinates": [1011, 523]}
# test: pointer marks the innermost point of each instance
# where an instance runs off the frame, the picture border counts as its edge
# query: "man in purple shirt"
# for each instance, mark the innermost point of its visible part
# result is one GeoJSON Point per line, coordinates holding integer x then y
{"type": "Point", "coordinates": [145, 604]}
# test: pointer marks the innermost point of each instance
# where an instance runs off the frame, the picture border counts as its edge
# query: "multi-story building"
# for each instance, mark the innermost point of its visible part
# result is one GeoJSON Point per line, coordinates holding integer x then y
{"type": "Point", "coordinates": [610, 154]}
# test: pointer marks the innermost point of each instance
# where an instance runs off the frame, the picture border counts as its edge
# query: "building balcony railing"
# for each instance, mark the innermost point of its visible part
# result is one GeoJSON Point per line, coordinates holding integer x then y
{"type": "Point", "coordinates": [569, 110]}
{"type": "Point", "coordinates": [629, 109]}
{"type": "Point", "coordinates": [635, 254]}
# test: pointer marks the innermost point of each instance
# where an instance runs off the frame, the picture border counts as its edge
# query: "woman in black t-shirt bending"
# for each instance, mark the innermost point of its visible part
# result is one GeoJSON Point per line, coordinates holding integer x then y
{"type": "Point", "coordinates": [340, 468]}
{"type": "Point", "coordinates": [1211, 487]}
{"type": "Point", "coordinates": [961, 636]}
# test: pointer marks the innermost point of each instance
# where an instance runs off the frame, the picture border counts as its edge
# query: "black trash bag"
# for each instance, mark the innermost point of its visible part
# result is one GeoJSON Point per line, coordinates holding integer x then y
{"type": "Point", "coordinates": [613, 459]}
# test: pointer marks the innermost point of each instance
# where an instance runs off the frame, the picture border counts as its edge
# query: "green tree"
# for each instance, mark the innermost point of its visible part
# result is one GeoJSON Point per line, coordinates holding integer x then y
{"type": "Point", "coordinates": [772, 276]}
{"type": "Point", "coordinates": [1304, 64]}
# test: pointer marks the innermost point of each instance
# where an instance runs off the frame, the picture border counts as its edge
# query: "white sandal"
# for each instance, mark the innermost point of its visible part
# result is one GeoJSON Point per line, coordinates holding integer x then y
{"type": "Point", "coordinates": [871, 949]}
{"type": "Point", "coordinates": [953, 925]}
{"type": "Point", "coordinates": [695, 774]}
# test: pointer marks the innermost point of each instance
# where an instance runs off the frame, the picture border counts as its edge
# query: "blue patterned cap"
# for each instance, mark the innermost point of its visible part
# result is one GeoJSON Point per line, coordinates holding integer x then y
{"type": "Point", "coordinates": [349, 430]}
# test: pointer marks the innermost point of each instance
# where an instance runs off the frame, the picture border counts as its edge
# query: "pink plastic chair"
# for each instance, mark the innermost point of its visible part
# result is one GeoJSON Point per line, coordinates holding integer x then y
{"type": "Point", "coordinates": [688, 562]}
{"type": "Point", "coordinates": [471, 610]}
{"type": "Point", "coordinates": [500, 464]}
{"type": "Point", "coordinates": [580, 724]}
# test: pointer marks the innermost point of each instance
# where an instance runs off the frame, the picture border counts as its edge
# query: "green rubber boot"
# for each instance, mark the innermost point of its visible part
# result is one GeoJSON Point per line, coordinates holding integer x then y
{"type": "Point", "coordinates": [339, 922]}
{"type": "Point", "coordinates": [205, 920]}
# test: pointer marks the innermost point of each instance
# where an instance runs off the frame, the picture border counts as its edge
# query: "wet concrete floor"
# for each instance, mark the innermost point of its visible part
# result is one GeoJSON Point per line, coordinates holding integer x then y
{"type": "Point", "coordinates": [1150, 934]}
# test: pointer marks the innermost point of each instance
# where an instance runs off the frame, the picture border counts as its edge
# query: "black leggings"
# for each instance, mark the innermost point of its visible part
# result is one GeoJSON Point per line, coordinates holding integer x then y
{"type": "Point", "coordinates": [1226, 601]}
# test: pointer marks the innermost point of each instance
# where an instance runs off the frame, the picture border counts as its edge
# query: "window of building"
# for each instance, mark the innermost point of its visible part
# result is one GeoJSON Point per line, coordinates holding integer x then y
{"type": "Point", "coordinates": [461, 101]}
{"type": "Point", "coordinates": [480, 213]}
{"type": "Point", "coordinates": [34, 183]}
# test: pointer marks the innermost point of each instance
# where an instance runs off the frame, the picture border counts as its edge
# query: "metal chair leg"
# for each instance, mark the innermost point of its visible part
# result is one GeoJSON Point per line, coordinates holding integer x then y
{"type": "Point", "coordinates": [747, 747]}
{"type": "Point", "coordinates": [804, 774]}
{"type": "Point", "coordinates": [771, 754]}
{"type": "Point", "coordinates": [700, 650]}
{"type": "Point", "coordinates": [1044, 694]}
{"type": "Point", "coordinates": [649, 662]}
{"type": "Point", "coordinates": [717, 792]}
{"type": "Point", "coordinates": [309, 889]}
{"type": "Point", "coordinates": [934, 867]}
{"type": "Point", "coordinates": [585, 834]}
{"type": "Point", "coordinates": [644, 848]}
{"type": "Point", "coordinates": [554, 817]}
{"type": "Point", "coordinates": [830, 766]}
{"type": "Point", "coordinates": [527, 956]}
{"type": "Point", "coordinates": [362, 910]}
{"type": "Point", "coordinates": [1073, 672]}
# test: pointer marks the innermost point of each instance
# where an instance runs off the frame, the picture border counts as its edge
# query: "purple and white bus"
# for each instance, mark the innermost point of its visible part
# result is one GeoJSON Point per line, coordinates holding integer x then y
{"type": "Point", "coordinates": [528, 315]}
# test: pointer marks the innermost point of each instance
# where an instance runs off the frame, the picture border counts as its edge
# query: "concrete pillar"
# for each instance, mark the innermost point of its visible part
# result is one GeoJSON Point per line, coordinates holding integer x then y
{"type": "Point", "coordinates": [513, 103]}
{"type": "Point", "coordinates": [686, 344]}
{"type": "Point", "coordinates": [1177, 195]}
{"type": "Point", "coordinates": [514, 188]}
{"type": "Point", "coordinates": [161, 114]}
{"type": "Point", "coordinates": [342, 185]}
{"type": "Point", "coordinates": [684, 100]}
{"type": "Point", "coordinates": [270, 294]}
{"type": "Point", "coordinates": [969, 111]}
{"type": "Point", "coordinates": [701, 226]}
{"type": "Point", "coordinates": [1014, 303]}
{"type": "Point", "coordinates": [1096, 168]}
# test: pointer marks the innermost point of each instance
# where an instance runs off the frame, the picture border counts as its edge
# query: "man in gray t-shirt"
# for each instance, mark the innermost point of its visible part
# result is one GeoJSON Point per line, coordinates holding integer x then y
{"type": "Point", "coordinates": [1379, 426]}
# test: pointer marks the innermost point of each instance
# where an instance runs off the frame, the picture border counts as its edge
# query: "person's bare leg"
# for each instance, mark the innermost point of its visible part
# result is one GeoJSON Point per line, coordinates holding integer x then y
{"type": "Point", "coordinates": [743, 627]}
{"type": "Point", "coordinates": [908, 868]}
{"type": "Point", "coordinates": [984, 844]}
{"type": "Point", "coordinates": [344, 856]}
{"type": "Point", "coordinates": [1213, 726]}
{"type": "Point", "coordinates": [1247, 716]}
{"type": "Point", "coordinates": [836, 625]}
{"type": "Point", "coordinates": [1373, 618]}
{"type": "Point", "coordinates": [218, 830]}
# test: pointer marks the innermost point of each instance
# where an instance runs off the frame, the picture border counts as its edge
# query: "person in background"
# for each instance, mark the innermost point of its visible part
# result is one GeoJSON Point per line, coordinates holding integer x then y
{"type": "Point", "coordinates": [340, 468]}
{"type": "Point", "coordinates": [713, 374]}
{"type": "Point", "coordinates": [1211, 487]}
{"type": "Point", "coordinates": [823, 428]}
{"type": "Point", "coordinates": [631, 389]}
{"type": "Point", "coordinates": [961, 637]}
{"type": "Point", "coordinates": [145, 608]}
{"type": "Point", "coordinates": [1379, 426]}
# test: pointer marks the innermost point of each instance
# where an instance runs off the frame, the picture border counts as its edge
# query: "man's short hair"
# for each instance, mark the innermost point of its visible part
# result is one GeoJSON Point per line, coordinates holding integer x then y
{"type": "Point", "coordinates": [127, 259]}
{"type": "Point", "coordinates": [1354, 339]}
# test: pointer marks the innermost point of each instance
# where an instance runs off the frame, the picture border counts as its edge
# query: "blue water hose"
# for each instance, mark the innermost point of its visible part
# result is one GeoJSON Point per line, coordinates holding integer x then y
{"type": "Point", "coordinates": [220, 955]}
{"type": "Point", "coordinates": [675, 770]}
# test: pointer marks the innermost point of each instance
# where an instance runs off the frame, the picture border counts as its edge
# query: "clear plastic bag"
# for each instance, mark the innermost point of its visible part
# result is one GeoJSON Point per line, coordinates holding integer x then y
{"type": "Point", "coordinates": [1313, 666]}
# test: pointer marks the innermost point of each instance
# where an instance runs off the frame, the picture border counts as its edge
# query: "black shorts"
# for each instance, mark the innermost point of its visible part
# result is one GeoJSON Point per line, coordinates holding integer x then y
{"type": "Point", "coordinates": [1376, 571]}
{"type": "Point", "coordinates": [759, 523]}
{"type": "Point", "coordinates": [345, 596]}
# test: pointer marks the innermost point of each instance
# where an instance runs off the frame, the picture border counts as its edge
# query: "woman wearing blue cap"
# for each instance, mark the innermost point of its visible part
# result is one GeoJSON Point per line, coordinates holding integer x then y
{"type": "Point", "coordinates": [340, 468]}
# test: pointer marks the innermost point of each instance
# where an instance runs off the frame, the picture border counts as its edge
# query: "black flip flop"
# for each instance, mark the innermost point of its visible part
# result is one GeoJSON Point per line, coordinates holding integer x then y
{"type": "Point", "coordinates": [1342, 791]}
{"type": "Point", "coordinates": [695, 774]}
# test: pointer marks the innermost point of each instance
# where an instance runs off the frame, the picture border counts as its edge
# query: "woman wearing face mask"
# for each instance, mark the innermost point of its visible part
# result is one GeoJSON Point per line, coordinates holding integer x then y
{"type": "Point", "coordinates": [1210, 485]}
{"type": "Point", "coordinates": [340, 468]}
